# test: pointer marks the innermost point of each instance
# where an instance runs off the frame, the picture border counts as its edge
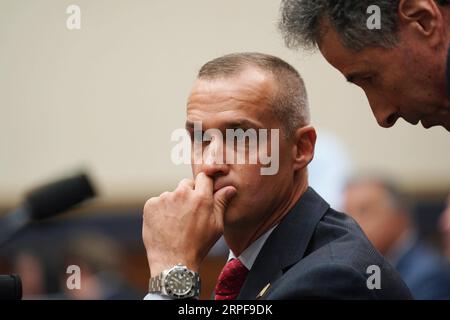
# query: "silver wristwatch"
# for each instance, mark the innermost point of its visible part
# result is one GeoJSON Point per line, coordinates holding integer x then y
{"type": "Point", "coordinates": [177, 282]}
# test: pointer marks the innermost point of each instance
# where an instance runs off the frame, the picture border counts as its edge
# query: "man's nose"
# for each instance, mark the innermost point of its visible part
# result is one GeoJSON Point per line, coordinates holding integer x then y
{"type": "Point", "coordinates": [384, 112]}
{"type": "Point", "coordinates": [214, 162]}
{"type": "Point", "coordinates": [214, 170]}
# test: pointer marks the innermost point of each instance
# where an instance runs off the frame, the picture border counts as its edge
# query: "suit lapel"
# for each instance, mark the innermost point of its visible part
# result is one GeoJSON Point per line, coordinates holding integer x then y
{"type": "Point", "coordinates": [286, 245]}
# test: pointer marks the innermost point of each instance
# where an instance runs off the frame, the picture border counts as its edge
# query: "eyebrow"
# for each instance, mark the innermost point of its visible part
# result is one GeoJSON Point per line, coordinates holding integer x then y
{"type": "Point", "coordinates": [236, 123]}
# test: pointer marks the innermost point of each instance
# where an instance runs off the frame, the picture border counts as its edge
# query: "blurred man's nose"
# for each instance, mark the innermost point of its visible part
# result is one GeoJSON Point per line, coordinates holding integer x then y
{"type": "Point", "coordinates": [384, 112]}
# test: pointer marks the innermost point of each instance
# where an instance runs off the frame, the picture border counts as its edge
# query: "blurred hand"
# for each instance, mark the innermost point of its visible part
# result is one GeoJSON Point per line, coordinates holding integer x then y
{"type": "Point", "coordinates": [182, 226]}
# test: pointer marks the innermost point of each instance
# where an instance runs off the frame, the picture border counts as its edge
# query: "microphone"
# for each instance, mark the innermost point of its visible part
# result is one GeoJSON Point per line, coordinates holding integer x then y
{"type": "Point", "coordinates": [10, 287]}
{"type": "Point", "coordinates": [46, 201]}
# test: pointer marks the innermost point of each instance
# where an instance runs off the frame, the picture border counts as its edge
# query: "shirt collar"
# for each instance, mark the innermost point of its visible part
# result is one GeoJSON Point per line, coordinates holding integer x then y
{"type": "Point", "coordinates": [249, 255]}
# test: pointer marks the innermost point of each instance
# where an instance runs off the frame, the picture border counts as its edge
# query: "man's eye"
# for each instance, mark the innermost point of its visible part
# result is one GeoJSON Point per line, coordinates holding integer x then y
{"type": "Point", "coordinates": [366, 79]}
{"type": "Point", "coordinates": [239, 133]}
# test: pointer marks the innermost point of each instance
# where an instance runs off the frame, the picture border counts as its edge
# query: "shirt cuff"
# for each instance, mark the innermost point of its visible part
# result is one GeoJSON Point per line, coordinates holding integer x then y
{"type": "Point", "coordinates": [155, 296]}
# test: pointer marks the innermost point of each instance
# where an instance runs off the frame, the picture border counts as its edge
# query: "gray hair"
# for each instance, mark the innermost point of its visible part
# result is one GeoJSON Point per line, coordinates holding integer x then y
{"type": "Point", "coordinates": [289, 103]}
{"type": "Point", "coordinates": [301, 22]}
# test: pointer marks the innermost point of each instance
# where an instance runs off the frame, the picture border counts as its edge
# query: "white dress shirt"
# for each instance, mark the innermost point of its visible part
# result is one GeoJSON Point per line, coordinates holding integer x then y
{"type": "Point", "coordinates": [247, 258]}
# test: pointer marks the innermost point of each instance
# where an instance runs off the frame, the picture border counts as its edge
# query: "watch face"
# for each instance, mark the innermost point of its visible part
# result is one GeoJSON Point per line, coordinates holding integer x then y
{"type": "Point", "coordinates": [179, 282]}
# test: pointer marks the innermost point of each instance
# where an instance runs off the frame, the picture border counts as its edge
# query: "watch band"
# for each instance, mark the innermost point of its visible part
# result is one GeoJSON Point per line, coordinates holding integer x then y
{"type": "Point", "coordinates": [155, 284]}
{"type": "Point", "coordinates": [197, 285]}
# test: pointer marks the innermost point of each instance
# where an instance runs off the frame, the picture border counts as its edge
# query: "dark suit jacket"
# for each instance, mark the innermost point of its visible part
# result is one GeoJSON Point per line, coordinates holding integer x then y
{"type": "Point", "coordinates": [425, 273]}
{"type": "Point", "coordinates": [318, 253]}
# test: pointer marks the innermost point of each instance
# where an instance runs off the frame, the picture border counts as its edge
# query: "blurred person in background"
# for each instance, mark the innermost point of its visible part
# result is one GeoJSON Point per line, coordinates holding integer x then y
{"type": "Point", "coordinates": [445, 228]}
{"type": "Point", "coordinates": [383, 214]}
{"type": "Point", "coordinates": [98, 258]}
{"type": "Point", "coordinates": [31, 272]}
{"type": "Point", "coordinates": [38, 275]}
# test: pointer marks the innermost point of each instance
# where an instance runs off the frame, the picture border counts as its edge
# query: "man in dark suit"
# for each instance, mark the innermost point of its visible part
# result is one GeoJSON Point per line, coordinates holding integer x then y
{"type": "Point", "coordinates": [285, 242]}
{"type": "Point", "coordinates": [381, 211]}
{"type": "Point", "coordinates": [317, 253]}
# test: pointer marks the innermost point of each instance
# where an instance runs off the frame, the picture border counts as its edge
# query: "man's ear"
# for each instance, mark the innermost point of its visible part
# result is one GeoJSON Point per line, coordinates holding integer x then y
{"type": "Point", "coordinates": [304, 143]}
{"type": "Point", "coordinates": [425, 17]}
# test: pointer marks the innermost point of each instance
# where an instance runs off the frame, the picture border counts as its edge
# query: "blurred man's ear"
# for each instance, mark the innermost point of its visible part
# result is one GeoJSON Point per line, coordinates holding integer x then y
{"type": "Point", "coordinates": [425, 17]}
{"type": "Point", "coordinates": [304, 143]}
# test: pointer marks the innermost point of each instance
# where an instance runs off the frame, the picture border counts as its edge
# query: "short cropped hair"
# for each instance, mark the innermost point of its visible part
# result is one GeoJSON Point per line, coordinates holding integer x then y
{"type": "Point", "coordinates": [289, 103]}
